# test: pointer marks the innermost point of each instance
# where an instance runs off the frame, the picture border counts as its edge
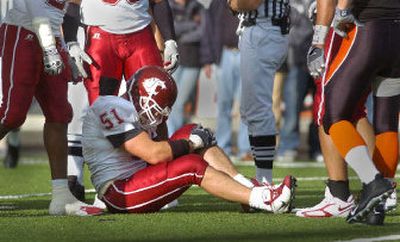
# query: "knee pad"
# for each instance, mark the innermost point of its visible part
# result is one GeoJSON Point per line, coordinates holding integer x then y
{"type": "Point", "coordinates": [184, 132]}
{"type": "Point", "coordinates": [59, 114]}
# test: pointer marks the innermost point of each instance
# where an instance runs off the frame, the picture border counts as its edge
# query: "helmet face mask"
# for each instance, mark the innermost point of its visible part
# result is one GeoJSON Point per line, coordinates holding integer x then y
{"type": "Point", "coordinates": [153, 92]}
{"type": "Point", "coordinates": [151, 114]}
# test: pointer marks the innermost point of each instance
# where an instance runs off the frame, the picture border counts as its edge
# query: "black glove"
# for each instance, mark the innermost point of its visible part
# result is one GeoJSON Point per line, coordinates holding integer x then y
{"type": "Point", "coordinates": [202, 138]}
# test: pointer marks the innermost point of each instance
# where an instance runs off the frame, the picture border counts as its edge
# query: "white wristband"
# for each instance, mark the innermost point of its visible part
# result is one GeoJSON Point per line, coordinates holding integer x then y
{"type": "Point", "coordinates": [43, 31]}
{"type": "Point", "coordinates": [320, 33]}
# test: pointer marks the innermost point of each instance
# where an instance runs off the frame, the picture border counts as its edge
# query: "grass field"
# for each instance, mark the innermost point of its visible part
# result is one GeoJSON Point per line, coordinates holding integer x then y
{"type": "Point", "coordinates": [199, 216]}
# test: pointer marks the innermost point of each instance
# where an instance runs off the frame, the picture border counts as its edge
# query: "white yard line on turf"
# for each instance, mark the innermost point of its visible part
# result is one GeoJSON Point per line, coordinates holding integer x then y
{"type": "Point", "coordinates": [382, 238]}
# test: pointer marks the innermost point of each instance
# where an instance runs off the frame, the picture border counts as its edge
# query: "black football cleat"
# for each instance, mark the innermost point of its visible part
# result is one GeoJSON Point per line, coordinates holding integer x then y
{"type": "Point", "coordinates": [377, 215]}
{"type": "Point", "coordinates": [371, 195]}
{"type": "Point", "coordinates": [12, 156]}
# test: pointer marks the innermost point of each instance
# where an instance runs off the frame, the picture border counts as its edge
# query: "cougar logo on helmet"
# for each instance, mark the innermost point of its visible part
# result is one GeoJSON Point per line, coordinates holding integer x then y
{"type": "Point", "coordinates": [151, 85]}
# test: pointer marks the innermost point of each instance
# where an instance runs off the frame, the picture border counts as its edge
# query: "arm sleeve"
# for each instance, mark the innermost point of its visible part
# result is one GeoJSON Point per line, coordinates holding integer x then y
{"type": "Point", "coordinates": [71, 23]}
{"type": "Point", "coordinates": [163, 17]}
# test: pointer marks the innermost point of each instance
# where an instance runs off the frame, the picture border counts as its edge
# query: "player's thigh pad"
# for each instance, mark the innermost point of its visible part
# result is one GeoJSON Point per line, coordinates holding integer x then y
{"type": "Point", "coordinates": [52, 92]}
{"type": "Point", "coordinates": [348, 77]}
{"type": "Point", "coordinates": [103, 49]}
{"type": "Point", "coordinates": [143, 51]}
{"type": "Point", "coordinates": [21, 67]}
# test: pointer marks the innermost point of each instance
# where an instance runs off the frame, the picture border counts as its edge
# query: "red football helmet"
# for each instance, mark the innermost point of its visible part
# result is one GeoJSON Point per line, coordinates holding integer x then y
{"type": "Point", "coordinates": [153, 92]}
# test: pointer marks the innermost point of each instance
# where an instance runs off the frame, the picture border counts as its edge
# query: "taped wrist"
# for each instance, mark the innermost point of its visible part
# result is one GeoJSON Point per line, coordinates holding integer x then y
{"type": "Point", "coordinates": [179, 147]}
{"type": "Point", "coordinates": [43, 32]}
{"type": "Point", "coordinates": [320, 33]}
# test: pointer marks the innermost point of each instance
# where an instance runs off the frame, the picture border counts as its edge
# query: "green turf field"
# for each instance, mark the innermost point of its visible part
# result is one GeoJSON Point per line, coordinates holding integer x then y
{"type": "Point", "coordinates": [199, 217]}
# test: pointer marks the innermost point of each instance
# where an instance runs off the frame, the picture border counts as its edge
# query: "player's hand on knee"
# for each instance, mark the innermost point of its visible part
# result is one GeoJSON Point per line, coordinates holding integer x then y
{"type": "Point", "coordinates": [202, 138]}
{"type": "Point", "coordinates": [52, 61]}
{"type": "Point", "coordinates": [79, 57]}
{"type": "Point", "coordinates": [171, 56]}
{"type": "Point", "coordinates": [316, 61]}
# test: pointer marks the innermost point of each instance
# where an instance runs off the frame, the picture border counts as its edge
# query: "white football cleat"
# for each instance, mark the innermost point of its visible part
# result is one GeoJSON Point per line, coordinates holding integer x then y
{"type": "Point", "coordinates": [278, 198]}
{"type": "Point", "coordinates": [391, 202]}
{"type": "Point", "coordinates": [330, 206]}
{"type": "Point", "coordinates": [287, 190]}
{"type": "Point", "coordinates": [74, 208]}
{"type": "Point", "coordinates": [98, 203]}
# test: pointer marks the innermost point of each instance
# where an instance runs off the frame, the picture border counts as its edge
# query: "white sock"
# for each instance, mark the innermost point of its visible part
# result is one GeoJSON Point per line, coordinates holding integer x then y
{"type": "Point", "coordinates": [13, 138]}
{"type": "Point", "coordinates": [60, 190]}
{"type": "Point", "coordinates": [243, 180]}
{"type": "Point", "coordinates": [258, 197]}
{"type": "Point", "coordinates": [358, 158]}
{"type": "Point", "coordinates": [263, 174]}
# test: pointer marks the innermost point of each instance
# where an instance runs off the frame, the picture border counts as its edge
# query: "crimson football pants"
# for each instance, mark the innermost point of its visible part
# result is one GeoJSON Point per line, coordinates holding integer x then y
{"type": "Point", "coordinates": [149, 189]}
{"type": "Point", "coordinates": [23, 78]}
{"type": "Point", "coordinates": [118, 55]}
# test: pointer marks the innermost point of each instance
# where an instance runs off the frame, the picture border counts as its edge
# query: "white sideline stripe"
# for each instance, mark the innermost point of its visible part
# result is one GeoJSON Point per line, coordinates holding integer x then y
{"type": "Point", "coordinates": [382, 238]}
{"type": "Point", "coordinates": [317, 178]}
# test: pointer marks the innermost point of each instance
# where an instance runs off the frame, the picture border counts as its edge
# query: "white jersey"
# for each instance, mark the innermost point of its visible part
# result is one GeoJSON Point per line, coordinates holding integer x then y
{"type": "Point", "coordinates": [116, 16]}
{"type": "Point", "coordinates": [109, 122]}
{"type": "Point", "coordinates": [23, 11]}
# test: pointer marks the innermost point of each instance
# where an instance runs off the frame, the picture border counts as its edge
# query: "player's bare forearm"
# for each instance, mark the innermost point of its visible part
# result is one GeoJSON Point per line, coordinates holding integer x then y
{"type": "Point", "coordinates": [244, 5]}
{"type": "Point", "coordinates": [152, 152]}
{"type": "Point", "coordinates": [325, 12]}
{"type": "Point", "coordinates": [344, 4]}
{"type": "Point", "coordinates": [78, 2]}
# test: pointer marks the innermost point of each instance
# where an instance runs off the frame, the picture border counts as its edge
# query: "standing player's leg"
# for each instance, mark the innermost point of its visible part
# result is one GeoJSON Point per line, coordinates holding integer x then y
{"type": "Point", "coordinates": [51, 94]}
{"type": "Point", "coordinates": [77, 96]}
{"type": "Point", "coordinates": [107, 67]}
{"type": "Point", "coordinates": [337, 191]}
{"type": "Point", "coordinates": [13, 149]}
{"type": "Point", "coordinates": [17, 85]}
{"type": "Point", "coordinates": [262, 52]}
{"type": "Point", "coordinates": [351, 85]}
{"type": "Point", "coordinates": [386, 121]}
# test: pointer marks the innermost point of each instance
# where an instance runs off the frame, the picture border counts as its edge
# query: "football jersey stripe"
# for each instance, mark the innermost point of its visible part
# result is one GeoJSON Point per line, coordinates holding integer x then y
{"type": "Point", "coordinates": [11, 74]}
{"type": "Point", "coordinates": [155, 185]}
{"type": "Point", "coordinates": [145, 203]}
{"type": "Point", "coordinates": [339, 57]}
{"type": "Point", "coordinates": [4, 39]}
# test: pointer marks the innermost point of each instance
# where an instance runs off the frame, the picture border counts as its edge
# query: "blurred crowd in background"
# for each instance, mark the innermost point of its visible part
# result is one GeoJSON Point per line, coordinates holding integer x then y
{"type": "Point", "coordinates": [208, 48]}
{"type": "Point", "coordinates": [207, 42]}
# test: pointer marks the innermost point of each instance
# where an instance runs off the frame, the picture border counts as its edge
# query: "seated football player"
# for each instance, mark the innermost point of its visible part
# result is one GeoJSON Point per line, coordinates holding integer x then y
{"type": "Point", "coordinates": [136, 169]}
